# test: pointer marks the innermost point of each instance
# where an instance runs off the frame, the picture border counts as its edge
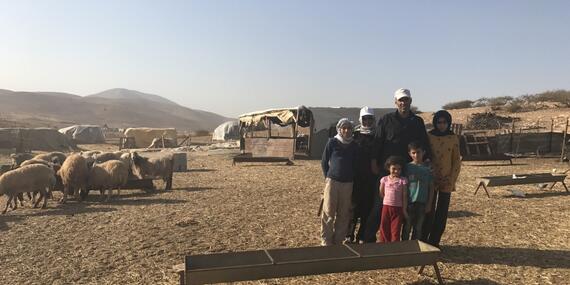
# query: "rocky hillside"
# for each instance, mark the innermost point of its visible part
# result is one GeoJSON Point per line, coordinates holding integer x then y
{"type": "Point", "coordinates": [120, 108]}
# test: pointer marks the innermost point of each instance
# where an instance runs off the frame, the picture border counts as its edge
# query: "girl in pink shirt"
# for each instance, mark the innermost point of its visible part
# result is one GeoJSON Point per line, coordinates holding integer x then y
{"type": "Point", "coordinates": [394, 190]}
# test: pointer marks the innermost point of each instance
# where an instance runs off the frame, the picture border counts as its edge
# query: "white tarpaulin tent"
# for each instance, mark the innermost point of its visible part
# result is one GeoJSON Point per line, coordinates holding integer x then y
{"type": "Point", "coordinates": [23, 139]}
{"type": "Point", "coordinates": [226, 131]}
{"type": "Point", "coordinates": [84, 134]}
{"type": "Point", "coordinates": [144, 136]}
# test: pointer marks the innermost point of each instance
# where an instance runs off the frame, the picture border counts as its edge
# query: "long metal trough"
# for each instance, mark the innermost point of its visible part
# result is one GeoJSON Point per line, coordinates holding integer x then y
{"type": "Point", "coordinates": [288, 262]}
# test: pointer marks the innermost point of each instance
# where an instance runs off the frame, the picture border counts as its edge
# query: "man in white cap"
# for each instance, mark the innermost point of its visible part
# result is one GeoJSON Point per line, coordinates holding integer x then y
{"type": "Point", "coordinates": [394, 132]}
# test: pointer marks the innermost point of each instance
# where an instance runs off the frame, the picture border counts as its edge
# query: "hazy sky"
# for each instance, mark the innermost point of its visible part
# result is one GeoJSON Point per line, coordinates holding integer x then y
{"type": "Point", "coordinates": [232, 57]}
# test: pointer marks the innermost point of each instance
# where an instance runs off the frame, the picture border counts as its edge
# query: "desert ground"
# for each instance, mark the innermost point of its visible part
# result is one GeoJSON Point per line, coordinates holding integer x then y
{"type": "Point", "coordinates": [217, 207]}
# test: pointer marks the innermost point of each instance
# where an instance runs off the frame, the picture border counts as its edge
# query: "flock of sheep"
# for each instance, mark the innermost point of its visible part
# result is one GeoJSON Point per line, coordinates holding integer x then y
{"type": "Point", "coordinates": [78, 173]}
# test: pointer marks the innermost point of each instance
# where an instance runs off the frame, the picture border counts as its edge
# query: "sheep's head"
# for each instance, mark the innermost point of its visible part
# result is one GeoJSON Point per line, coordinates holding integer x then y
{"type": "Point", "coordinates": [136, 157]}
{"type": "Point", "coordinates": [136, 165]}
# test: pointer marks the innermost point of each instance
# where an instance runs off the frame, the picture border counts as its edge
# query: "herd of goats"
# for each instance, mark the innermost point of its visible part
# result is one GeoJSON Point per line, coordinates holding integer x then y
{"type": "Point", "coordinates": [78, 173]}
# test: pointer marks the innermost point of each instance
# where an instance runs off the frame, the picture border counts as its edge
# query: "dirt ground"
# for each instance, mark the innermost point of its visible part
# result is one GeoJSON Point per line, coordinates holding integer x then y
{"type": "Point", "coordinates": [216, 207]}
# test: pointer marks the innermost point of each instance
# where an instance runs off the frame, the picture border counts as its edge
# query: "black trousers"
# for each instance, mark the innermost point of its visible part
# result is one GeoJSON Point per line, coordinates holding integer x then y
{"type": "Point", "coordinates": [373, 220]}
{"type": "Point", "coordinates": [363, 199]}
{"type": "Point", "coordinates": [434, 224]}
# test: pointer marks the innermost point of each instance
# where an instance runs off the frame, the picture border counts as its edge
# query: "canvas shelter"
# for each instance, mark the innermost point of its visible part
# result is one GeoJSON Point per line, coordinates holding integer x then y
{"type": "Point", "coordinates": [226, 131]}
{"type": "Point", "coordinates": [144, 136]}
{"type": "Point", "coordinates": [24, 139]}
{"type": "Point", "coordinates": [302, 130]}
{"type": "Point", "coordinates": [84, 134]}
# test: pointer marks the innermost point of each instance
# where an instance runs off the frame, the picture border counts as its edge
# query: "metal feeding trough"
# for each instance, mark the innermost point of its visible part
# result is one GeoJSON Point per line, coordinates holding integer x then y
{"type": "Point", "coordinates": [288, 262]}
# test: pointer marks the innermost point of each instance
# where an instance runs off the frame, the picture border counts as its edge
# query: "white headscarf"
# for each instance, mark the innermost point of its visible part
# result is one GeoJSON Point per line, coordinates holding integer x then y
{"type": "Point", "coordinates": [366, 111]}
{"type": "Point", "coordinates": [339, 125]}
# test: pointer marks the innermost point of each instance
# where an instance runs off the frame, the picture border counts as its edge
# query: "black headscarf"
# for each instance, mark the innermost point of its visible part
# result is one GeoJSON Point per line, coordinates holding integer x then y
{"type": "Point", "coordinates": [439, 115]}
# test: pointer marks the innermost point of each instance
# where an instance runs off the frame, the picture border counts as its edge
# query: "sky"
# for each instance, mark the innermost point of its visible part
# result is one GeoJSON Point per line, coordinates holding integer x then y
{"type": "Point", "coordinates": [233, 57]}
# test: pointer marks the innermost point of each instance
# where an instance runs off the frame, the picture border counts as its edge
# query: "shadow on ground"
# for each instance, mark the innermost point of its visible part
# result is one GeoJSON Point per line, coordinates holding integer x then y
{"type": "Point", "coordinates": [461, 214]}
{"type": "Point", "coordinates": [201, 170]}
{"type": "Point", "coordinates": [478, 281]}
{"type": "Point", "coordinates": [507, 256]}
{"type": "Point", "coordinates": [194, 189]}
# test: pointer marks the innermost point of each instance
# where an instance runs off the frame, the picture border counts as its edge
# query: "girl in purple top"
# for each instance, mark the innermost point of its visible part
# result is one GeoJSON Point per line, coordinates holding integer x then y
{"type": "Point", "coordinates": [394, 190]}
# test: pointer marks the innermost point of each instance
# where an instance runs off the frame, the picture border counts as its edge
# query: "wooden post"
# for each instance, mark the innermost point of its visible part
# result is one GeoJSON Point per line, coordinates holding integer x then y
{"type": "Point", "coordinates": [309, 140]}
{"type": "Point", "coordinates": [268, 127]}
{"type": "Point", "coordinates": [551, 134]}
{"type": "Point", "coordinates": [295, 130]}
{"type": "Point", "coordinates": [512, 139]}
{"type": "Point", "coordinates": [20, 143]}
{"type": "Point", "coordinates": [564, 138]}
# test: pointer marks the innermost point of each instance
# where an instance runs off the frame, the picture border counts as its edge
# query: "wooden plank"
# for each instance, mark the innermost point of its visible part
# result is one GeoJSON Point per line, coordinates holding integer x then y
{"type": "Point", "coordinates": [270, 147]}
{"type": "Point", "coordinates": [289, 262]}
{"type": "Point", "coordinates": [521, 180]}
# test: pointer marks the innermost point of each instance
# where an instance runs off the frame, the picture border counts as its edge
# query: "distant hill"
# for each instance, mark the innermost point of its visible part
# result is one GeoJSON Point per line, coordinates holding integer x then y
{"type": "Point", "coordinates": [126, 94]}
{"type": "Point", "coordinates": [119, 108]}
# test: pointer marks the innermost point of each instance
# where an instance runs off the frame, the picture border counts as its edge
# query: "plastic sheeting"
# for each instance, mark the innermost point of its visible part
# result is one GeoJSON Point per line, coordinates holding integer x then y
{"type": "Point", "coordinates": [145, 136]}
{"type": "Point", "coordinates": [227, 131]}
{"type": "Point", "coordinates": [84, 134]}
{"type": "Point", "coordinates": [35, 139]}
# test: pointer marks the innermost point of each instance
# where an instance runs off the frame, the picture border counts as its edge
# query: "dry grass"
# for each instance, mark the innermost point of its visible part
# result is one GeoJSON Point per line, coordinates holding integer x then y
{"type": "Point", "coordinates": [217, 207]}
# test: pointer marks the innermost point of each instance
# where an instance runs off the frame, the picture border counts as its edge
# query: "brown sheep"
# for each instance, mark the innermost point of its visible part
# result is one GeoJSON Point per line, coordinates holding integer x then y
{"type": "Point", "coordinates": [54, 156]}
{"type": "Point", "coordinates": [74, 174]}
{"type": "Point", "coordinates": [154, 167]}
{"type": "Point", "coordinates": [107, 176]}
{"type": "Point", "coordinates": [27, 178]}
{"type": "Point", "coordinates": [18, 158]}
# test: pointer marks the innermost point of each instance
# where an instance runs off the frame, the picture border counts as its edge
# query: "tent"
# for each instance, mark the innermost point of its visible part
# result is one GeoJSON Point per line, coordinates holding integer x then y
{"type": "Point", "coordinates": [226, 131]}
{"type": "Point", "coordinates": [84, 134]}
{"type": "Point", "coordinates": [144, 136]}
{"type": "Point", "coordinates": [308, 127]}
{"type": "Point", "coordinates": [45, 139]}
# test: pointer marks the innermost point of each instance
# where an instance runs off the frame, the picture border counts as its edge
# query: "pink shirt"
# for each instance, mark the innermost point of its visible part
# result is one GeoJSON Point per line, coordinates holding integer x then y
{"type": "Point", "coordinates": [393, 190]}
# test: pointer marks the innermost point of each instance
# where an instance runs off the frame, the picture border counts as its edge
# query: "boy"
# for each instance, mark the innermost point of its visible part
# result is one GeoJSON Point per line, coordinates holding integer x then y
{"type": "Point", "coordinates": [420, 191]}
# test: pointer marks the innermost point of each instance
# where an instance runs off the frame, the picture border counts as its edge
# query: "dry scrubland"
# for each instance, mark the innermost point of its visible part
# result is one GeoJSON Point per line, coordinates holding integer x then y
{"type": "Point", "coordinates": [217, 207]}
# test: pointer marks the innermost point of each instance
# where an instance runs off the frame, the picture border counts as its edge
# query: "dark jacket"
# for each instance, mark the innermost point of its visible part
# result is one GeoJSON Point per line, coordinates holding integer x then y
{"type": "Point", "coordinates": [394, 133]}
{"type": "Point", "coordinates": [338, 162]}
{"type": "Point", "coordinates": [367, 151]}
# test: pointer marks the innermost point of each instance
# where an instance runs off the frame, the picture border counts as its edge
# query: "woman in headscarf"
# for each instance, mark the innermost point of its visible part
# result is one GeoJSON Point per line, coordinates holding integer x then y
{"type": "Point", "coordinates": [338, 165]}
{"type": "Point", "coordinates": [365, 186]}
{"type": "Point", "coordinates": [446, 165]}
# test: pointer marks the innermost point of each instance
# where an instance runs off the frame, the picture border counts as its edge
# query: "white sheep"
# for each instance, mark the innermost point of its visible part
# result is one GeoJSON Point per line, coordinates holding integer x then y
{"type": "Point", "coordinates": [54, 156]}
{"type": "Point", "coordinates": [27, 178]}
{"type": "Point", "coordinates": [52, 165]}
{"type": "Point", "coordinates": [89, 153]}
{"type": "Point", "coordinates": [106, 156]}
{"type": "Point", "coordinates": [154, 167]}
{"type": "Point", "coordinates": [107, 176]}
{"type": "Point", "coordinates": [37, 161]}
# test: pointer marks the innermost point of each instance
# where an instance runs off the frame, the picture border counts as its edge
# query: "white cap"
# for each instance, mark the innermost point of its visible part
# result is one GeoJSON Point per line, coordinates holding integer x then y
{"type": "Point", "coordinates": [401, 93]}
{"type": "Point", "coordinates": [366, 111]}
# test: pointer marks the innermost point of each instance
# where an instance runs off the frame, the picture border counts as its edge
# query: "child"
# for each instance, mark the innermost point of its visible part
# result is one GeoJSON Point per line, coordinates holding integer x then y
{"type": "Point", "coordinates": [420, 191]}
{"type": "Point", "coordinates": [338, 164]}
{"type": "Point", "coordinates": [446, 164]}
{"type": "Point", "coordinates": [393, 189]}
